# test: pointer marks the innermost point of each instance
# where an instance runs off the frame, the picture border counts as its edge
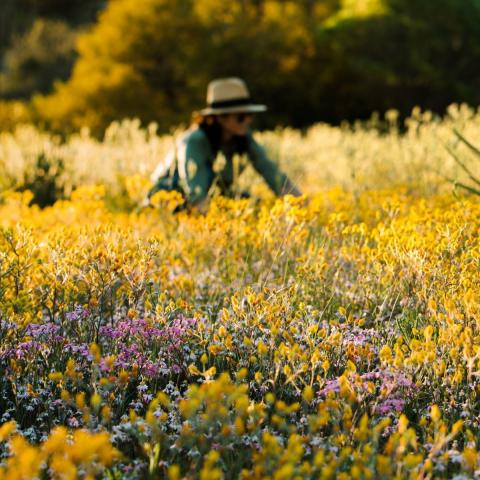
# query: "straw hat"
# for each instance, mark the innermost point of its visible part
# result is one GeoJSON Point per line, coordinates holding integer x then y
{"type": "Point", "coordinates": [227, 95]}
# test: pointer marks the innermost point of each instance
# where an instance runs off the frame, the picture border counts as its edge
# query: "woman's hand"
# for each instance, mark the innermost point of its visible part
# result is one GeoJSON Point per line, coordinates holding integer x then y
{"type": "Point", "coordinates": [145, 203]}
{"type": "Point", "coordinates": [201, 206]}
{"type": "Point", "coordinates": [290, 189]}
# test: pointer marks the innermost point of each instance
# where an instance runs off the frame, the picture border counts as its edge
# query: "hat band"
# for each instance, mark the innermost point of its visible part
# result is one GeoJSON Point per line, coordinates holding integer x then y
{"type": "Point", "coordinates": [231, 103]}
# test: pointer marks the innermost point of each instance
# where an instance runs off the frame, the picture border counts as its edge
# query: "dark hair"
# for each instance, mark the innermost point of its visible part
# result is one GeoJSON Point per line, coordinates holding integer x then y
{"type": "Point", "coordinates": [213, 130]}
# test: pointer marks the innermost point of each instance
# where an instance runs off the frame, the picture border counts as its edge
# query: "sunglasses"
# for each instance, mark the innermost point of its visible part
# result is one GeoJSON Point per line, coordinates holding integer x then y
{"type": "Point", "coordinates": [241, 117]}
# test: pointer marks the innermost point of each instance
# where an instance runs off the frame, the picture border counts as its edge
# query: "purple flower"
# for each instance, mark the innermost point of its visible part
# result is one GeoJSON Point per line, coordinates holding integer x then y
{"type": "Point", "coordinates": [81, 348]}
{"type": "Point", "coordinates": [358, 336]}
{"type": "Point", "coordinates": [110, 332]}
{"type": "Point", "coordinates": [129, 328]}
{"type": "Point", "coordinates": [150, 369]}
{"type": "Point", "coordinates": [73, 422]}
{"type": "Point", "coordinates": [331, 386]}
{"type": "Point", "coordinates": [36, 330]}
{"type": "Point", "coordinates": [6, 325]}
{"type": "Point", "coordinates": [77, 314]}
{"type": "Point", "coordinates": [104, 367]}
{"type": "Point", "coordinates": [6, 353]}
{"type": "Point", "coordinates": [392, 386]}
{"type": "Point", "coordinates": [28, 347]}
{"type": "Point", "coordinates": [390, 405]}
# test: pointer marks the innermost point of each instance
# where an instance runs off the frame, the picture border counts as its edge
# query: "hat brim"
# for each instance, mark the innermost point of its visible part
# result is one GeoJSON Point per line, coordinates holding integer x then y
{"type": "Point", "coordinates": [236, 109]}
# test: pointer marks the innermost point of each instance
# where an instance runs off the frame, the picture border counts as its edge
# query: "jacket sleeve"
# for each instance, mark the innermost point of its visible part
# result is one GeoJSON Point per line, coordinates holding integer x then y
{"type": "Point", "coordinates": [162, 177]}
{"type": "Point", "coordinates": [269, 170]}
{"type": "Point", "coordinates": [194, 168]}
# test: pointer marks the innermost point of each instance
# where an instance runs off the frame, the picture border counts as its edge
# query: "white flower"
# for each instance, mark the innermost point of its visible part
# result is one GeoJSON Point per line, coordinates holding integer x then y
{"type": "Point", "coordinates": [219, 163]}
{"type": "Point", "coordinates": [191, 168]}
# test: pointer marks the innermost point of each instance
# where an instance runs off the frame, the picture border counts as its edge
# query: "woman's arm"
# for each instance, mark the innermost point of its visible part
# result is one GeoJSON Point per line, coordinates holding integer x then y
{"type": "Point", "coordinates": [194, 168]}
{"type": "Point", "coordinates": [275, 178]}
{"type": "Point", "coordinates": [163, 176]}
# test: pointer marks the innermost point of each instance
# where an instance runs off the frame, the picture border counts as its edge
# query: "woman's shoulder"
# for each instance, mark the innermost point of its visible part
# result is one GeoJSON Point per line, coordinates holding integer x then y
{"type": "Point", "coordinates": [193, 144]}
{"type": "Point", "coordinates": [251, 141]}
{"type": "Point", "coordinates": [252, 145]}
{"type": "Point", "coordinates": [194, 135]}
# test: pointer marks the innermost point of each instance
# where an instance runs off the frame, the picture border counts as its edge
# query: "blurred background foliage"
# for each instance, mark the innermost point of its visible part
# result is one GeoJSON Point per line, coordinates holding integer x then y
{"type": "Point", "coordinates": [87, 62]}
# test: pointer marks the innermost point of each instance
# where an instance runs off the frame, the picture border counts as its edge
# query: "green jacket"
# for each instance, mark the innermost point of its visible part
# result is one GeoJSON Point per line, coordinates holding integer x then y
{"type": "Point", "coordinates": [191, 168]}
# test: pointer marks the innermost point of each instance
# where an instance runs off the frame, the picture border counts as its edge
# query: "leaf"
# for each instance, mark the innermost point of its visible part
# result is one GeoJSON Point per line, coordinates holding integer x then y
{"type": "Point", "coordinates": [210, 372]}
{"type": "Point", "coordinates": [462, 165]}
{"type": "Point", "coordinates": [193, 370]}
{"type": "Point", "coordinates": [472, 147]}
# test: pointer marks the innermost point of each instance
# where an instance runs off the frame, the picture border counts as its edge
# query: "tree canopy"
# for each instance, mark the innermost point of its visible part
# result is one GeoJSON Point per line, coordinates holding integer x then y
{"type": "Point", "coordinates": [309, 61]}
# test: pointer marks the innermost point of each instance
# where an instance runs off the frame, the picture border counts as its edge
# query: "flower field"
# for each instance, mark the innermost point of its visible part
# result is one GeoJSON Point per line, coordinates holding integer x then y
{"type": "Point", "coordinates": [336, 337]}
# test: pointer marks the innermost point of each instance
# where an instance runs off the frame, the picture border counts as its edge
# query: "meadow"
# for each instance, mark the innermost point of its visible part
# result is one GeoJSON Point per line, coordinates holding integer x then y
{"type": "Point", "coordinates": [332, 336]}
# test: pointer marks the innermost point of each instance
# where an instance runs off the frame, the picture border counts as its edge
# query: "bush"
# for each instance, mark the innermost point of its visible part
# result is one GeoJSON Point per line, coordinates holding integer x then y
{"type": "Point", "coordinates": [47, 181]}
{"type": "Point", "coordinates": [12, 113]}
{"type": "Point", "coordinates": [325, 61]}
{"type": "Point", "coordinates": [35, 59]}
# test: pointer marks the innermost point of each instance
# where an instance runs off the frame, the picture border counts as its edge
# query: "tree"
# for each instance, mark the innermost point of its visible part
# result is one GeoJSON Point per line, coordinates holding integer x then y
{"type": "Point", "coordinates": [154, 59]}
{"type": "Point", "coordinates": [44, 54]}
{"type": "Point", "coordinates": [135, 61]}
{"type": "Point", "coordinates": [399, 54]}
{"type": "Point", "coordinates": [36, 42]}
{"type": "Point", "coordinates": [309, 61]}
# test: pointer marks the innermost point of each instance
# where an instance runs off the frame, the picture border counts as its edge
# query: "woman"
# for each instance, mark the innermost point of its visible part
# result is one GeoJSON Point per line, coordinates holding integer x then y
{"type": "Point", "coordinates": [220, 130]}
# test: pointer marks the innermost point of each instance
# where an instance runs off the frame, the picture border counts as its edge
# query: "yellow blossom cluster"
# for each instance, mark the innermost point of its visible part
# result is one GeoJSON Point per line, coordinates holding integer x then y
{"type": "Point", "coordinates": [357, 156]}
{"type": "Point", "coordinates": [64, 455]}
{"type": "Point", "coordinates": [337, 337]}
